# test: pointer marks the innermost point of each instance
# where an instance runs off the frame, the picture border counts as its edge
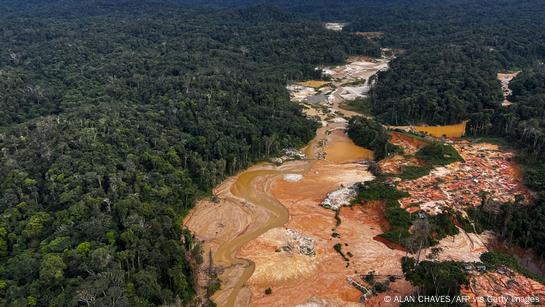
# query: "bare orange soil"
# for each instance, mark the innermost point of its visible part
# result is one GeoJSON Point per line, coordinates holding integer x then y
{"type": "Point", "coordinates": [396, 163]}
{"type": "Point", "coordinates": [274, 258]}
{"type": "Point", "coordinates": [409, 143]}
{"type": "Point", "coordinates": [323, 276]}
{"type": "Point", "coordinates": [460, 185]}
{"type": "Point", "coordinates": [214, 224]}
{"type": "Point", "coordinates": [504, 288]}
{"type": "Point", "coordinates": [463, 247]}
{"type": "Point", "coordinates": [487, 168]}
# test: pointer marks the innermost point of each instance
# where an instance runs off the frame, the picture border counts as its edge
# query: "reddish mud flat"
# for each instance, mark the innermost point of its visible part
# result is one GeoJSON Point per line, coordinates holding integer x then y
{"type": "Point", "coordinates": [321, 278]}
{"type": "Point", "coordinates": [268, 230]}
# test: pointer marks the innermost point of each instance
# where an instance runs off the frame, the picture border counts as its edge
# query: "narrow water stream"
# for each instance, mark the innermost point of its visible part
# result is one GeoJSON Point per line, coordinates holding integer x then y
{"type": "Point", "coordinates": [247, 188]}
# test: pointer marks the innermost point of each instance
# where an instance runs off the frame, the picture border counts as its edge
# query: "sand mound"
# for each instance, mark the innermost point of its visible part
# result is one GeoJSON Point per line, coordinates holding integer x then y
{"type": "Point", "coordinates": [341, 197]}
{"type": "Point", "coordinates": [292, 177]}
{"type": "Point", "coordinates": [284, 254]}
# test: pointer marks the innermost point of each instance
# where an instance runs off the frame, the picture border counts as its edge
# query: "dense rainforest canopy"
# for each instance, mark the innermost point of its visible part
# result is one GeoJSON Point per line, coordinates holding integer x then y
{"type": "Point", "coordinates": [371, 134]}
{"type": "Point", "coordinates": [523, 123]}
{"type": "Point", "coordinates": [114, 118]}
{"type": "Point", "coordinates": [439, 85]}
{"type": "Point", "coordinates": [451, 51]}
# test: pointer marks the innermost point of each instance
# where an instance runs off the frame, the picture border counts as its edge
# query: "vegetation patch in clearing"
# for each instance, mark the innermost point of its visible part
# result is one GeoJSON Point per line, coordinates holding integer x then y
{"type": "Point", "coordinates": [425, 231]}
{"type": "Point", "coordinates": [399, 219]}
{"type": "Point", "coordinates": [370, 134]}
{"type": "Point", "coordinates": [494, 259]}
{"type": "Point", "coordinates": [361, 105]}
{"type": "Point", "coordinates": [411, 172]}
{"type": "Point", "coordinates": [433, 154]}
{"type": "Point", "coordinates": [435, 278]}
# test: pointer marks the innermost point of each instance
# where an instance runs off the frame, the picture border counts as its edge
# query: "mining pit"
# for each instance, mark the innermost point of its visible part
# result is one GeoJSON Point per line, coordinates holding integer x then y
{"type": "Point", "coordinates": [286, 233]}
{"type": "Point", "coordinates": [505, 78]}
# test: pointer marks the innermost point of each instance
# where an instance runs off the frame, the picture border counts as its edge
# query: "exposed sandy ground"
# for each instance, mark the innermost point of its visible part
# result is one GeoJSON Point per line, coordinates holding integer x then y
{"type": "Point", "coordinates": [350, 81]}
{"type": "Point", "coordinates": [409, 143]}
{"type": "Point", "coordinates": [217, 223]}
{"type": "Point", "coordinates": [249, 231]}
{"type": "Point", "coordinates": [464, 247]}
{"type": "Point", "coordinates": [312, 112]}
{"type": "Point", "coordinates": [395, 164]}
{"type": "Point", "coordinates": [322, 277]}
{"type": "Point", "coordinates": [294, 277]}
{"type": "Point", "coordinates": [353, 80]}
{"type": "Point", "coordinates": [335, 26]}
{"type": "Point", "coordinates": [487, 168]}
{"type": "Point", "coordinates": [505, 78]}
{"type": "Point", "coordinates": [300, 92]}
